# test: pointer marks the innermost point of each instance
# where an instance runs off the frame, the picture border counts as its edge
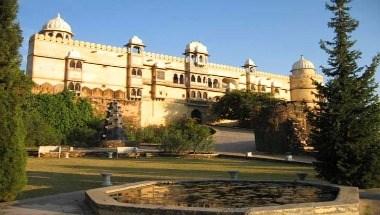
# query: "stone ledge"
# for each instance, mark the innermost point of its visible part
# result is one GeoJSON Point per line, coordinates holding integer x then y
{"type": "Point", "coordinates": [100, 200]}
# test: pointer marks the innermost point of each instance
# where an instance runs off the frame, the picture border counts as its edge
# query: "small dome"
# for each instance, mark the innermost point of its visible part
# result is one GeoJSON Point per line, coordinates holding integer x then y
{"type": "Point", "coordinates": [196, 46]}
{"type": "Point", "coordinates": [57, 24]}
{"type": "Point", "coordinates": [303, 63]}
{"type": "Point", "coordinates": [249, 63]}
{"type": "Point", "coordinates": [136, 41]}
{"type": "Point", "coordinates": [74, 54]}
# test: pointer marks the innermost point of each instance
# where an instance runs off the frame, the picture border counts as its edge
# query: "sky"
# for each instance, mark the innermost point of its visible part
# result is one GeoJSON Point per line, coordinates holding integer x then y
{"type": "Point", "coordinates": [274, 33]}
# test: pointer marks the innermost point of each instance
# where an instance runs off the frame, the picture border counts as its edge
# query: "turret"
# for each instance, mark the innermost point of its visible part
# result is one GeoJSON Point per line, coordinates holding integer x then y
{"type": "Point", "coordinates": [302, 88]}
{"type": "Point", "coordinates": [250, 67]}
{"type": "Point", "coordinates": [57, 27]}
{"type": "Point", "coordinates": [135, 71]}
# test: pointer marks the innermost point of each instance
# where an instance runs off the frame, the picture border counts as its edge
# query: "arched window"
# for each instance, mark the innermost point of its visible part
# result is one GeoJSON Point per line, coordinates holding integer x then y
{"type": "Point", "coordinates": [175, 79]}
{"type": "Point", "coordinates": [79, 65]}
{"type": "Point", "coordinates": [59, 35]}
{"type": "Point", "coordinates": [50, 34]}
{"type": "Point", "coordinates": [67, 37]}
{"type": "Point", "coordinates": [199, 79]}
{"type": "Point", "coordinates": [215, 83]}
{"type": "Point", "coordinates": [134, 72]}
{"type": "Point", "coordinates": [133, 92]}
{"type": "Point", "coordinates": [139, 72]}
{"type": "Point", "coordinates": [199, 95]}
{"type": "Point", "coordinates": [139, 92]}
{"type": "Point", "coordinates": [71, 86]}
{"type": "Point", "coordinates": [204, 80]}
{"type": "Point", "coordinates": [136, 49]}
{"type": "Point", "coordinates": [77, 87]}
{"type": "Point", "coordinates": [72, 64]}
{"type": "Point", "coordinates": [209, 82]}
{"type": "Point", "coordinates": [193, 58]}
{"type": "Point", "coordinates": [192, 94]}
{"type": "Point", "coordinates": [201, 59]}
{"type": "Point", "coordinates": [192, 78]}
{"type": "Point", "coordinates": [205, 95]}
{"type": "Point", "coordinates": [181, 81]}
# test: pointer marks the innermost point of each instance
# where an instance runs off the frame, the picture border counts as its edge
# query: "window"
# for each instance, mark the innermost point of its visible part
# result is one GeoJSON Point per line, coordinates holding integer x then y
{"type": "Point", "coordinates": [134, 72]}
{"type": "Point", "coordinates": [192, 78]}
{"type": "Point", "coordinates": [136, 49]}
{"type": "Point", "coordinates": [77, 87]}
{"type": "Point", "coordinates": [139, 92]}
{"type": "Point", "coordinates": [199, 95]}
{"type": "Point", "coordinates": [192, 94]}
{"type": "Point", "coordinates": [79, 65]}
{"type": "Point", "coordinates": [72, 64]}
{"type": "Point", "coordinates": [263, 88]}
{"type": "Point", "coordinates": [59, 35]}
{"type": "Point", "coordinates": [67, 37]}
{"type": "Point", "coordinates": [193, 58]}
{"type": "Point", "coordinates": [209, 82]}
{"type": "Point", "coordinates": [133, 92]}
{"type": "Point", "coordinates": [205, 95]}
{"type": "Point", "coordinates": [71, 86]}
{"type": "Point", "coordinates": [201, 59]}
{"type": "Point", "coordinates": [139, 72]}
{"type": "Point", "coordinates": [181, 81]}
{"type": "Point", "coordinates": [204, 79]}
{"type": "Point", "coordinates": [50, 34]}
{"type": "Point", "coordinates": [161, 75]}
{"type": "Point", "coordinates": [175, 79]}
{"type": "Point", "coordinates": [199, 79]}
{"type": "Point", "coordinates": [215, 83]}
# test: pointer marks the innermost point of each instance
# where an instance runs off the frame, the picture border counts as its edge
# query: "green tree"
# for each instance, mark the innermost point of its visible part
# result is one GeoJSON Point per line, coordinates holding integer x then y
{"type": "Point", "coordinates": [347, 121]}
{"type": "Point", "coordinates": [14, 87]}
{"type": "Point", "coordinates": [240, 105]}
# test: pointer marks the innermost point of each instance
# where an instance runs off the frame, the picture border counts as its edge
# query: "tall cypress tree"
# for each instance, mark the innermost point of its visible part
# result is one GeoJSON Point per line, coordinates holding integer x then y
{"type": "Point", "coordinates": [14, 86]}
{"type": "Point", "coordinates": [346, 124]}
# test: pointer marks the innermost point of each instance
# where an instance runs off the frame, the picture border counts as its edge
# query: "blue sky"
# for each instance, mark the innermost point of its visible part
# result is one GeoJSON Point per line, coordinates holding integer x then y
{"type": "Point", "coordinates": [273, 33]}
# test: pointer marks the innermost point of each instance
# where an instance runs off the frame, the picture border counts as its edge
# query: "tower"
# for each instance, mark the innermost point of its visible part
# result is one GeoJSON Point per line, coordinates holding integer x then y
{"type": "Point", "coordinates": [58, 28]}
{"type": "Point", "coordinates": [135, 62]}
{"type": "Point", "coordinates": [250, 67]}
{"type": "Point", "coordinates": [302, 88]}
{"type": "Point", "coordinates": [196, 59]}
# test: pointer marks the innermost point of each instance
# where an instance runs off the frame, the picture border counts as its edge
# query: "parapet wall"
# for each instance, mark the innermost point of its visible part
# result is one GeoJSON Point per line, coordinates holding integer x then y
{"type": "Point", "coordinates": [79, 43]}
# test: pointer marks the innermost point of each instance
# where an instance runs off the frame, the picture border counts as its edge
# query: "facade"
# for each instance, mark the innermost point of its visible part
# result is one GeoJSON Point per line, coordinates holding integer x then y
{"type": "Point", "coordinates": [152, 88]}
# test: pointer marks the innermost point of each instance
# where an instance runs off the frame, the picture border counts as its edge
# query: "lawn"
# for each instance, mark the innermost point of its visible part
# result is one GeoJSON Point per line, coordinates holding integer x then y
{"type": "Point", "coordinates": [49, 176]}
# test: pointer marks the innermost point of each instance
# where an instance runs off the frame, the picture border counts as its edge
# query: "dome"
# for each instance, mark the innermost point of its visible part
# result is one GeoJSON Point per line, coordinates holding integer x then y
{"type": "Point", "coordinates": [303, 63]}
{"type": "Point", "coordinates": [57, 24]}
{"type": "Point", "coordinates": [136, 41]}
{"type": "Point", "coordinates": [249, 63]}
{"type": "Point", "coordinates": [74, 54]}
{"type": "Point", "coordinates": [196, 46]}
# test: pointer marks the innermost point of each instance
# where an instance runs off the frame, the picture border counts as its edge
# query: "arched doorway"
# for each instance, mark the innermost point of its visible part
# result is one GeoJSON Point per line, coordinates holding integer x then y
{"type": "Point", "coordinates": [197, 115]}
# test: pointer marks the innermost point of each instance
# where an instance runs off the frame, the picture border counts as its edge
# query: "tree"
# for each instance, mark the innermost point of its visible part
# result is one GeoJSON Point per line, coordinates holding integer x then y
{"type": "Point", "coordinates": [239, 105]}
{"type": "Point", "coordinates": [14, 87]}
{"type": "Point", "coordinates": [346, 123]}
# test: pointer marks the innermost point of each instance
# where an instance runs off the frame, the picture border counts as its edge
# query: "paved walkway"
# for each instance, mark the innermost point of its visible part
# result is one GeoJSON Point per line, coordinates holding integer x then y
{"type": "Point", "coordinates": [60, 204]}
{"type": "Point", "coordinates": [236, 142]}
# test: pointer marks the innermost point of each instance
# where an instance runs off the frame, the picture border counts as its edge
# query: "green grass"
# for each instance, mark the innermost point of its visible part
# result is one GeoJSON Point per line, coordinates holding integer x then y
{"type": "Point", "coordinates": [50, 176]}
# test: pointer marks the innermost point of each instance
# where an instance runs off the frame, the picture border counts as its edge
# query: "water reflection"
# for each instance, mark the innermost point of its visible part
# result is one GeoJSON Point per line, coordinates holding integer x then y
{"type": "Point", "coordinates": [226, 194]}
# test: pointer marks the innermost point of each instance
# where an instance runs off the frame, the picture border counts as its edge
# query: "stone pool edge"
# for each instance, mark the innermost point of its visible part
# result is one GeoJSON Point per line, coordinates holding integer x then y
{"type": "Point", "coordinates": [100, 201]}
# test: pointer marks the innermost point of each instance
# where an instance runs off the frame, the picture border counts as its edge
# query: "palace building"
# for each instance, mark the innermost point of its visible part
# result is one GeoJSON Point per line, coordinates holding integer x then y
{"type": "Point", "coordinates": [151, 88]}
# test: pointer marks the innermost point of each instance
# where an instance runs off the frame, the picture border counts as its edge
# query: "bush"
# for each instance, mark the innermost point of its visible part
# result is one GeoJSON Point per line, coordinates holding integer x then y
{"type": "Point", "coordinates": [187, 135]}
{"type": "Point", "coordinates": [61, 118]}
